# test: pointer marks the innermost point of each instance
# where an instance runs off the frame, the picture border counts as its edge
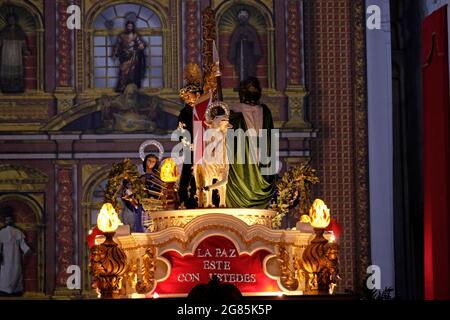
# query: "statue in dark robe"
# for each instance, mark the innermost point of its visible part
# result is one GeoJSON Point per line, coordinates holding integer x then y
{"type": "Point", "coordinates": [245, 48]}
{"type": "Point", "coordinates": [129, 48]}
{"type": "Point", "coordinates": [187, 187]}
{"type": "Point", "coordinates": [12, 49]}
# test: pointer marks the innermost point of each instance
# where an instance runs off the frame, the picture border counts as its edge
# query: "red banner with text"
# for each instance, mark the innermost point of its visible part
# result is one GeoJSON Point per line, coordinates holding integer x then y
{"type": "Point", "coordinates": [217, 255]}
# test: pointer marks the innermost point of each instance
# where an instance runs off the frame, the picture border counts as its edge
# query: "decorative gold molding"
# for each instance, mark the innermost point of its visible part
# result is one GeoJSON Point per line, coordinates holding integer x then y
{"type": "Point", "coordinates": [283, 246]}
{"type": "Point", "coordinates": [27, 95]}
{"type": "Point", "coordinates": [296, 108]}
{"type": "Point", "coordinates": [64, 221]}
{"type": "Point", "coordinates": [64, 43]}
{"type": "Point", "coordinates": [13, 127]}
{"type": "Point", "coordinates": [79, 56]}
{"type": "Point", "coordinates": [39, 4]}
{"type": "Point", "coordinates": [362, 216]}
{"type": "Point", "coordinates": [192, 34]}
{"type": "Point", "coordinates": [267, 4]}
{"type": "Point", "coordinates": [166, 219]}
{"type": "Point", "coordinates": [65, 99]}
{"type": "Point", "coordinates": [294, 42]}
{"type": "Point", "coordinates": [147, 272]}
{"type": "Point", "coordinates": [12, 110]}
{"type": "Point", "coordinates": [175, 36]}
{"type": "Point", "coordinates": [62, 119]}
{"type": "Point", "coordinates": [287, 270]}
{"type": "Point", "coordinates": [21, 178]}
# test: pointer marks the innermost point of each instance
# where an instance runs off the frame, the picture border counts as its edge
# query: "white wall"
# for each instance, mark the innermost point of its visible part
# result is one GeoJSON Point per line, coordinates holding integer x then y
{"type": "Point", "coordinates": [380, 117]}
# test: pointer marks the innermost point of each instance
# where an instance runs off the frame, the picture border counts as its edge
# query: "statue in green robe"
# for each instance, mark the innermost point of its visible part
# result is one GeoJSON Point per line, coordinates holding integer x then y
{"type": "Point", "coordinates": [249, 186]}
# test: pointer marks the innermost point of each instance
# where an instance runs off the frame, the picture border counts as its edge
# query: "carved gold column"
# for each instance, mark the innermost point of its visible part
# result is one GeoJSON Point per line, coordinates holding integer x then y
{"type": "Point", "coordinates": [319, 261]}
{"type": "Point", "coordinates": [287, 272]}
{"type": "Point", "coordinates": [295, 90]}
{"type": "Point", "coordinates": [107, 266]}
{"type": "Point", "coordinates": [146, 279]}
{"type": "Point", "coordinates": [192, 32]}
{"type": "Point", "coordinates": [209, 35]}
{"type": "Point", "coordinates": [210, 70]}
{"type": "Point", "coordinates": [64, 93]}
{"type": "Point", "coordinates": [64, 224]}
{"type": "Point", "coordinates": [107, 261]}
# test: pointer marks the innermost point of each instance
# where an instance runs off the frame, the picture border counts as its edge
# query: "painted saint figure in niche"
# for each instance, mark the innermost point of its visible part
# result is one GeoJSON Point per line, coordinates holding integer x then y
{"type": "Point", "coordinates": [245, 48]}
{"type": "Point", "coordinates": [12, 249]}
{"type": "Point", "coordinates": [13, 47]}
{"type": "Point", "coordinates": [129, 49]}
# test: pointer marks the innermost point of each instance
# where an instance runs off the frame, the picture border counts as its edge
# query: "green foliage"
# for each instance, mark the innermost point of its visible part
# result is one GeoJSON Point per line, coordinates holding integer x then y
{"type": "Point", "coordinates": [119, 172]}
{"type": "Point", "coordinates": [295, 188]}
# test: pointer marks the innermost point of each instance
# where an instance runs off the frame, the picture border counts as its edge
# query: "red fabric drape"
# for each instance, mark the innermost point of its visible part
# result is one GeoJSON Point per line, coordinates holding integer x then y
{"type": "Point", "coordinates": [435, 73]}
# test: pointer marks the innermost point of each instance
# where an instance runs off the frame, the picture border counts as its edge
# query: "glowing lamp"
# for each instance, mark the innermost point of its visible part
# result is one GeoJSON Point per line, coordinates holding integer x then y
{"type": "Point", "coordinates": [107, 262]}
{"type": "Point", "coordinates": [320, 258]}
{"type": "Point", "coordinates": [108, 220]}
{"type": "Point", "coordinates": [169, 171]}
{"type": "Point", "coordinates": [319, 214]}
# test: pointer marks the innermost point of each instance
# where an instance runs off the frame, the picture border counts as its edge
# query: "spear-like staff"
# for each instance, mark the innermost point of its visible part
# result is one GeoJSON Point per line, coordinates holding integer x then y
{"type": "Point", "coordinates": [218, 73]}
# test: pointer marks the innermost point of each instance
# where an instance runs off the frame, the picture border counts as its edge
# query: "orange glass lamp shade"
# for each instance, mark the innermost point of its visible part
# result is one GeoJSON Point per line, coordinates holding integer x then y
{"type": "Point", "coordinates": [319, 214]}
{"type": "Point", "coordinates": [169, 171]}
{"type": "Point", "coordinates": [108, 221]}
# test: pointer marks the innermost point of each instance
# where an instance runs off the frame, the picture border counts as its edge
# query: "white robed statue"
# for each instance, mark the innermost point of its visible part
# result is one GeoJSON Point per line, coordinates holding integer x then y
{"type": "Point", "coordinates": [12, 248]}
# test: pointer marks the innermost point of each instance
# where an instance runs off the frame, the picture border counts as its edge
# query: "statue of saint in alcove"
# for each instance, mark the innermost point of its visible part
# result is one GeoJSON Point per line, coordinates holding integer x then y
{"type": "Point", "coordinates": [13, 48]}
{"type": "Point", "coordinates": [245, 47]}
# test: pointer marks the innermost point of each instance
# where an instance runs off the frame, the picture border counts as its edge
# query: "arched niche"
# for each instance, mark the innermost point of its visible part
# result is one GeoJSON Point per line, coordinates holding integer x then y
{"type": "Point", "coordinates": [156, 33]}
{"type": "Point", "coordinates": [29, 217]}
{"type": "Point", "coordinates": [31, 22]}
{"type": "Point", "coordinates": [261, 19]}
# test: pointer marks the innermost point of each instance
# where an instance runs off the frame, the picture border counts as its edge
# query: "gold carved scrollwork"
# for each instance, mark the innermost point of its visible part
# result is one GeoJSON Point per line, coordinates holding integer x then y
{"type": "Point", "coordinates": [164, 223]}
{"type": "Point", "coordinates": [288, 279]}
{"type": "Point", "coordinates": [107, 266]}
{"type": "Point", "coordinates": [131, 273]}
{"type": "Point", "coordinates": [147, 281]}
{"type": "Point", "coordinates": [320, 263]}
{"type": "Point", "coordinates": [296, 108]}
{"type": "Point", "coordinates": [65, 99]}
{"type": "Point", "coordinates": [11, 110]}
{"type": "Point", "coordinates": [210, 69]}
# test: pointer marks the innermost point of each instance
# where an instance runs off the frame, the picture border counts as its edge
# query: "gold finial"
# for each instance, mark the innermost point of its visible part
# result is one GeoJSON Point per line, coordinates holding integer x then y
{"type": "Point", "coordinates": [192, 74]}
{"type": "Point", "coordinates": [192, 88]}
